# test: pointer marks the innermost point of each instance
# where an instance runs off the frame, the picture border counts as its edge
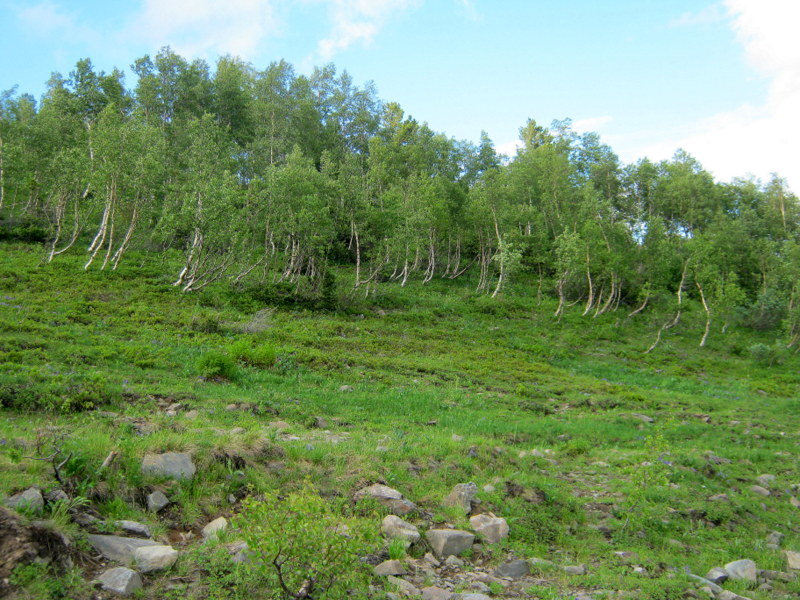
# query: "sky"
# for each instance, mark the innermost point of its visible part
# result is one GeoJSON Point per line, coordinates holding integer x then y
{"type": "Point", "coordinates": [718, 79]}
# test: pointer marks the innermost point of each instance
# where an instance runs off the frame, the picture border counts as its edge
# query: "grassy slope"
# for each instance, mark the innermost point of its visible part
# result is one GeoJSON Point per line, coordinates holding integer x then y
{"type": "Point", "coordinates": [502, 375]}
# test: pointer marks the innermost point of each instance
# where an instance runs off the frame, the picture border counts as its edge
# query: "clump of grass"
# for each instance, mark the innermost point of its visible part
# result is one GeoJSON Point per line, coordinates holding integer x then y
{"type": "Point", "coordinates": [244, 351]}
{"type": "Point", "coordinates": [217, 365]}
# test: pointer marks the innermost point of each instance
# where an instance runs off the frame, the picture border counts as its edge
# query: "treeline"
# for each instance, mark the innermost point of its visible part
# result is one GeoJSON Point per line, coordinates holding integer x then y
{"type": "Point", "coordinates": [272, 176]}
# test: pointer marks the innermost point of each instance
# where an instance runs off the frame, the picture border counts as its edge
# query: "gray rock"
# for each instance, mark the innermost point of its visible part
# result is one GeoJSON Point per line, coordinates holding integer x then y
{"type": "Point", "coordinates": [447, 542]}
{"type": "Point", "coordinates": [387, 497]}
{"type": "Point", "coordinates": [56, 495]}
{"type": "Point", "coordinates": [761, 491]}
{"type": "Point", "coordinates": [481, 587]}
{"type": "Point", "coordinates": [743, 570]}
{"type": "Point", "coordinates": [792, 560]}
{"type": "Point", "coordinates": [765, 480]}
{"type": "Point", "coordinates": [176, 465]}
{"type": "Point", "coordinates": [513, 569]}
{"type": "Point", "coordinates": [728, 595]}
{"type": "Point", "coordinates": [718, 575]}
{"type": "Point", "coordinates": [30, 499]}
{"type": "Point", "coordinates": [390, 567]}
{"type": "Point", "coordinates": [157, 501]}
{"type": "Point", "coordinates": [406, 588]}
{"type": "Point", "coordinates": [154, 558]}
{"type": "Point", "coordinates": [214, 527]}
{"type": "Point", "coordinates": [719, 498]}
{"type": "Point", "coordinates": [346, 388]}
{"type": "Point", "coordinates": [490, 529]}
{"type": "Point", "coordinates": [453, 562]}
{"type": "Point", "coordinates": [119, 549]}
{"type": "Point", "coordinates": [474, 596]}
{"type": "Point", "coordinates": [394, 527]}
{"type": "Point", "coordinates": [435, 593]}
{"type": "Point", "coordinates": [627, 557]}
{"type": "Point", "coordinates": [643, 418]}
{"type": "Point", "coordinates": [120, 580]}
{"type": "Point", "coordinates": [134, 528]}
{"type": "Point", "coordinates": [715, 589]}
{"type": "Point", "coordinates": [463, 497]}
{"type": "Point", "coordinates": [775, 538]}
{"type": "Point", "coordinates": [575, 570]}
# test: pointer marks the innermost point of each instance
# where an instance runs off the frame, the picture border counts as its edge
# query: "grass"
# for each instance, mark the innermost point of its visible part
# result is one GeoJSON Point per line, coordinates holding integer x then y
{"type": "Point", "coordinates": [448, 387]}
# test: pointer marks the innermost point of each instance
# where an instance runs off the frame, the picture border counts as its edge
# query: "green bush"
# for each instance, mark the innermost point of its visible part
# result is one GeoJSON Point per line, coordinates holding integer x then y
{"type": "Point", "coordinates": [42, 388]}
{"type": "Point", "coordinates": [255, 356]}
{"type": "Point", "coordinates": [216, 365]}
{"type": "Point", "coordinates": [298, 546]}
{"type": "Point", "coordinates": [764, 355]}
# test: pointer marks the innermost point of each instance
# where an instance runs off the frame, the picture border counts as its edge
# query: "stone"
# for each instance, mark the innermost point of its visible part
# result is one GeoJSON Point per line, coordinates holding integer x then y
{"type": "Point", "coordinates": [627, 557]}
{"type": "Point", "coordinates": [575, 570]}
{"type": "Point", "coordinates": [463, 497]}
{"type": "Point", "coordinates": [390, 567]}
{"type": "Point", "coordinates": [120, 580]}
{"type": "Point", "coordinates": [453, 562]}
{"type": "Point", "coordinates": [719, 498]}
{"type": "Point", "coordinates": [481, 587]}
{"type": "Point", "coordinates": [715, 589]}
{"type": "Point", "coordinates": [239, 551]}
{"type": "Point", "coordinates": [761, 491]}
{"type": "Point", "coordinates": [765, 480]}
{"type": "Point", "coordinates": [435, 593]}
{"type": "Point", "coordinates": [792, 560]}
{"type": "Point", "coordinates": [775, 538]}
{"type": "Point", "coordinates": [489, 488]}
{"type": "Point", "coordinates": [431, 559]}
{"type": "Point", "coordinates": [406, 588]}
{"type": "Point", "coordinates": [154, 558]}
{"type": "Point", "coordinates": [387, 497]}
{"type": "Point", "coordinates": [794, 502]}
{"type": "Point", "coordinates": [30, 499]}
{"type": "Point", "coordinates": [394, 527]}
{"type": "Point", "coordinates": [513, 569]}
{"type": "Point", "coordinates": [718, 575]}
{"type": "Point", "coordinates": [474, 596]}
{"type": "Point", "coordinates": [213, 529]}
{"type": "Point", "coordinates": [447, 542]}
{"type": "Point", "coordinates": [490, 529]}
{"type": "Point", "coordinates": [346, 388]}
{"type": "Point", "coordinates": [320, 423]}
{"type": "Point", "coordinates": [643, 418]}
{"type": "Point", "coordinates": [742, 570]}
{"type": "Point", "coordinates": [56, 495]}
{"type": "Point", "coordinates": [157, 501]}
{"type": "Point", "coordinates": [134, 528]}
{"type": "Point", "coordinates": [175, 465]}
{"type": "Point", "coordinates": [116, 548]}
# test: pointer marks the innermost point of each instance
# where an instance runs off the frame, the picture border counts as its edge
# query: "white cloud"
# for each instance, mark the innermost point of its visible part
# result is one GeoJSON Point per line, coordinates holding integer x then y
{"type": "Point", "coordinates": [713, 13]}
{"type": "Point", "coordinates": [205, 27]}
{"type": "Point", "coordinates": [591, 124]}
{"type": "Point", "coordinates": [761, 138]}
{"type": "Point", "coordinates": [357, 21]}
{"type": "Point", "coordinates": [509, 148]}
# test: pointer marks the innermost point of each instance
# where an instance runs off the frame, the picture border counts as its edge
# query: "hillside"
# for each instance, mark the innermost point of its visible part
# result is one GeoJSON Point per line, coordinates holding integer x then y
{"type": "Point", "coordinates": [617, 471]}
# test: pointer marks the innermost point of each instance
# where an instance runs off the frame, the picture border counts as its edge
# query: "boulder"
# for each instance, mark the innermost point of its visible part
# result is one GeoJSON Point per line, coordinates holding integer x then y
{"type": "Point", "coordinates": [490, 529]}
{"type": "Point", "coordinates": [154, 558]}
{"type": "Point", "coordinates": [157, 501]}
{"type": "Point", "coordinates": [448, 542]}
{"type": "Point", "coordinates": [575, 570]}
{"type": "Point", "coordinates": [743, 570]}
{"type": "Point", "coordinates": [463, 497]}
{"type": "Point", "coordinates": [134, 528]}
{"type": "Point", "coordinates": [474, 596]}
{"type": "Point", "coordinates": [513, 569]}
{"type": "Point", "coordinates": [765, 480]}
{"type": "Point", "coordinates": [792, 560]}
{"type": "Point", "coordinates": [761, 491]}
{"type": "Point", "coordinates": [390, 567]}
{"type": "Point", "coordinates": [387, 497]}
{"type": "Point", "coordinates": [394, 527]}
{"type": "Point", "coordinates": [212, 529]}
{"type": "Point", "coordinates": [175, 465]}
{"type": "Point", "coordinates": [120, 580]}
{"type": "Point", "coordinates": [435, 593]}
{"type": "Point", "coordinates": [116, 548]}
{"type": "Point", "coordinates": [718, 575]}
{"type": "Point", "coordinates": [30, 499]}
{"type": "Point", "coordinates": [406, 588]}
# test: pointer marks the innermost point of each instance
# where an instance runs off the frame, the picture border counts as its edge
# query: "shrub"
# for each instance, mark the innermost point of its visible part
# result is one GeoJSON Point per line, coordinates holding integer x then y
{"type": "Point", "coordinates": [216, 365]}
{"type": "Point", "coordinates": [764, 355]}
{"type": "Point", "coordinates": [41, 388]}
{"type": "Point", "coordinates": [256, 356]}
{"type": "Point", "coordinates": [298, 547]}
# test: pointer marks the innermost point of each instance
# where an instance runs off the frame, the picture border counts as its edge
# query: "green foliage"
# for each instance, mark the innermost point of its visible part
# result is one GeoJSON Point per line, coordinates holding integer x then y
{"type": "Point", "coordinates": [299, 546]}
{"type": "Point", "coordinates": [44, 388]}
{"type": "Point", "coordinates": [217, 365]}
{"type": "Point", "coordinates": [766, 355]}
{"type": "Point", "coordinates": [244, 351]}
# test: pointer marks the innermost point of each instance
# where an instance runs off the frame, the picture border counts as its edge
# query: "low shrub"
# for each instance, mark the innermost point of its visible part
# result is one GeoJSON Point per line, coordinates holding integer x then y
{"type": "Point", "coordinates": [216, 365]}
{"type": "Point", "coordinates": [41, 388]}
{"type": "Point", "coordinates": [245, 352]}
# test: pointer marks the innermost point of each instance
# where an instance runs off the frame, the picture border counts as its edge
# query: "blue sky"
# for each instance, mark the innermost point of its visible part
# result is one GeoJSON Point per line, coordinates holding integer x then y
{"type": "Point", "coordinates": [721, 79]}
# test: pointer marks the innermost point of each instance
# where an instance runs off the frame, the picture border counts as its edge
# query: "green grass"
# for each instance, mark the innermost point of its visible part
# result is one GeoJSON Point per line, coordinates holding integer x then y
{"type": "Point", "coordinates": [87, 358]}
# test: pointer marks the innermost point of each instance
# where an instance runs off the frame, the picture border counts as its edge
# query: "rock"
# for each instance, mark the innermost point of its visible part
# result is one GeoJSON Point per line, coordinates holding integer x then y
{"type": "Point", "coordinates": [743, 570]}
{"type": "Point", "coordinates": [765, 480]}
{"type": "Point", "coordinates": [176, 465]}
{"type": "Point", "coordinates": [513, 569]}
{"type": "Point", "coordinates": [406, 588]}
{"type": "Point", "coordinates": [157, 501]}
{"type": "Point", "coordinates": [134, 528]}
{"type": "Point", "coordinates": [387, 497]}
{"type": "Point", "coordinates": [775, 538]}
{"type": "Point", "coordinates": [56, 495]}
{"type": "Point", "coordinates": [447, 542]}
{"type": "Point", "coordinates": [390, 567]}
{"type": "Point", "coordinates": [453, 562]}
{"type": "Point", "coordinates": [792, 560]}
{"type": "Point", "coordinates": [575, 570]}
{"type": "Point", "coordinates": [474, 596]}
{"type": "Point", "coordinates": [643, 418]}
{"type": "Point", "coordinates": [435, 593]}
{"type": "Point", "coordinates": [214, 527]}
{"type": "Point", "coordinates": [463, 497]}
{"type": "Point", "coordinates": [239, 551]}
{"type": "Point", "coordinates": [320, 423]}
{"type": "Point", "coordinates": [627, 557]}
{"type": "Point", "coordinates": [154, 558]}
{"type": "Point", "coordinates": [30, 499]}
{"type": "Point", "coordinates": [346, 388]}
{"type": "Point", "coordinates": [794, 502]}
{"type": "Point", "coordinates": [718, 575]}
{"type": "Point", "coordinates": [761, 491]}
{"type": "Point", "coordinates": [431, 559]}
{"type": "Point", "coordinates": [457, 438]}
{"type": "Point", "coordinates": [119, 549]}
{"type": "Point", "coordinates": [394, 527]}
{"type": "Point", "coordinates": [120, 580]}
{"type": "Point", "coordinates": [715, 589]}
{"type": "Point", "coordinates": [719, 498]}
{"type": "Point", "coordinates": [490, 529]}
{"type": "Point", "coordinates": [489, 488]}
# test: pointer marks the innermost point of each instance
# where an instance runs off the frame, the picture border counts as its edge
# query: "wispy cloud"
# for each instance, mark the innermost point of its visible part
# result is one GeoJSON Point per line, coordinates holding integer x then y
{"type": "Point", "coordinates": [713, 13]}
{"type": "Point", "coordinates": [591, 124]}
{"type": "Point", "coordinates": [52, 20]}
